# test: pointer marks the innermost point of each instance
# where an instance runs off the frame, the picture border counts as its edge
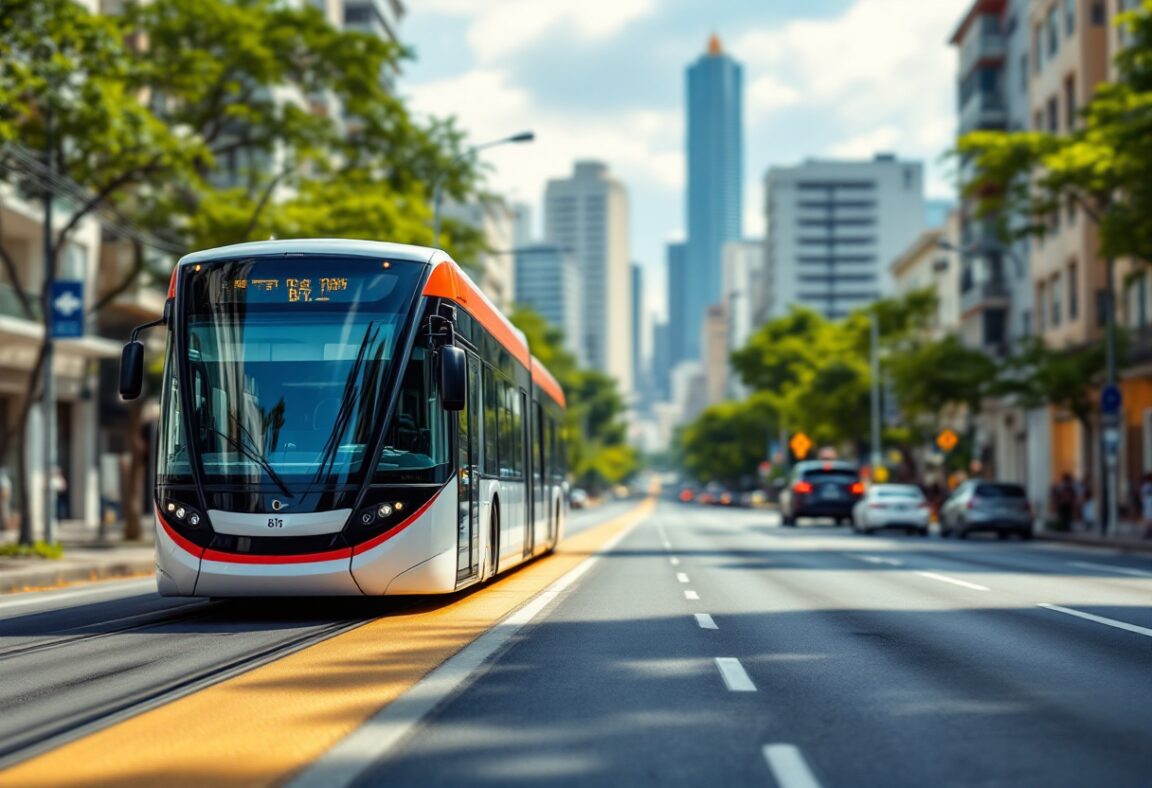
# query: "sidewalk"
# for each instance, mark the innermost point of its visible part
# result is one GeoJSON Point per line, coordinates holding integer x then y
{"type": "Point", "coordinates": [86, 558]}
{"type": "Point", "coordinates": [1128, 536]}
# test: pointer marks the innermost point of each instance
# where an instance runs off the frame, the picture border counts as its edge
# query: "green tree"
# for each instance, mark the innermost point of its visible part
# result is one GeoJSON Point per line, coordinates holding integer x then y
{"type": "Point", "coordinates": [598, 452]}
{"type": "Point", "coordinates": [728, 441]}
{"type": "Point", "coordinates": [1103, 166]}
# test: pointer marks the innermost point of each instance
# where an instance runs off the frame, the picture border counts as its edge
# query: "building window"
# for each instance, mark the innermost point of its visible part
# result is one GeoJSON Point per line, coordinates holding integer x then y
{"type": "Point", "coordinates": [1053, 115]}
{"type": "Point", "coordinates": [1098, 13]}
{"type": "Point", "coordinates": [1023, 73]}
{"type": "Point", "coordinates": [1069, 17]}
{"type": "Point", "coordinates": [1041, 304]}
{"type": "Point", "coordinates": [1052, 24]}
{"type": "Point", "coordinates": [1070, 102]}
{"type": "Point", "coordinates": [1073, 291]}
{"type": "Point", "coordinates": [1055, 296]}
{"type": "Point", "coordinates": [1037, 50]}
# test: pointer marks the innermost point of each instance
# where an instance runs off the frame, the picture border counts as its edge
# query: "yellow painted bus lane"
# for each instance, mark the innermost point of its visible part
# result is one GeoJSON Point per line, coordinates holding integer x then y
{"type": "Point", "coordinates": [264, 725]}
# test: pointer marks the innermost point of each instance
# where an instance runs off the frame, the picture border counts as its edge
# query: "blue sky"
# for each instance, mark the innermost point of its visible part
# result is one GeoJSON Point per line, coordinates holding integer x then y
{"type": "Point", "coordinates": [604, 79]}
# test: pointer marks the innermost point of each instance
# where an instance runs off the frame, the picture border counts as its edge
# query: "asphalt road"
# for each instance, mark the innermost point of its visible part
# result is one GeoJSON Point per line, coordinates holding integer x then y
{"type": "Point", "coordinates": [835, 659]}
{"type": "Point", "coordinates": [709, 646]}
{"type": "Point", "coordinates": [75, 660]}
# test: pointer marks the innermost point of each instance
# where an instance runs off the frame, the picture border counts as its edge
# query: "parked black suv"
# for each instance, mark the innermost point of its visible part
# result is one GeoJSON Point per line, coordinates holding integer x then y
{"type": "Point", "coordinates": [821, 488]}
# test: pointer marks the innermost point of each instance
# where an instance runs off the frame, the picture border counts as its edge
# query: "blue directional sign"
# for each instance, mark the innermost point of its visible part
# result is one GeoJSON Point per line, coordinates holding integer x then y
{"type": "Point", "coordinates": [1110, 399]}
{"type": "Point", "coordinates": [66, 320]}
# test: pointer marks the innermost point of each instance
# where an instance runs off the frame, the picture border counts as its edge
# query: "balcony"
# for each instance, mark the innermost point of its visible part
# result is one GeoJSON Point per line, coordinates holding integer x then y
{"type": "Point", "coordinates": [985, 43]}
{"type": "Point", "coordinates": [983, 110]}
{"type": "Point", "coordinates": [992, 294]}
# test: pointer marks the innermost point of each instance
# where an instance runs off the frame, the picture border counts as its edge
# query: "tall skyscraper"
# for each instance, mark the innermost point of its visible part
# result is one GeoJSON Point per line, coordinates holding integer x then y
{"type": "Point", "coordinates": [587, 215]}
{"type": "Point", "coordinates": [678, 325]}
{"type": "Point", "coordinates": [715, 87]}
{"type": "Point", "coordinates": [833, 229]}
{"type": "Point", "coordinates": [548, 281]}
{"type": "Point", "coordinates": [638, 325]}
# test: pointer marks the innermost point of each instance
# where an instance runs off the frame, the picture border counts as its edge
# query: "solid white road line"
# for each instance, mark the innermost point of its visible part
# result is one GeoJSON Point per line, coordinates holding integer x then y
{"type": "Point", "coordinates": [789, 767]}
{"type": "Point", "coordinates": [674, 561]}
{"type": "Point", "coordinates": [705, 621]}
{"type": "Point", "coordinates": [736, 679]}
{"type": "Point", "coordinates": [691, 594]}
{"type": "Point", "coordinates": [1111, 622]}
{"type": "Point", "coordinates": [373, 740]}
{"type": "Point", "coordinates": [1105, 567]}
{"type": "Point", "coordinates": [953, 581]}
{"type": "Point", "coordinates": [683, 578]}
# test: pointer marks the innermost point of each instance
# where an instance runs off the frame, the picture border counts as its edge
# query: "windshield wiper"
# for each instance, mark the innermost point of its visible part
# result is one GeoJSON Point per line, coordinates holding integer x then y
{"type": "Point", "coordinates": [257, 458]}
{"type": "Point", "coordinates": [351, 396]}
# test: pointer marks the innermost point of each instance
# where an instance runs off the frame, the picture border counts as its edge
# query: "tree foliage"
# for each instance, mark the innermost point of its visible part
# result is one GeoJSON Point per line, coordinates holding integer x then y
{"type": "Point", "coordinates": [1103, 166]}
{"type": "Point", "coordinates": [728, 441]}
{"type": "Point", "coordinates": [598, 452]}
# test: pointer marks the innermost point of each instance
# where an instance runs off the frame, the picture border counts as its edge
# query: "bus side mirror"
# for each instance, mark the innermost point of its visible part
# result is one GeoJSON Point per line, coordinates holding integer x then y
{"type": "Point", "coordinates": [453, 377]}
{"type": "Point", "coordinates": [131, 370]}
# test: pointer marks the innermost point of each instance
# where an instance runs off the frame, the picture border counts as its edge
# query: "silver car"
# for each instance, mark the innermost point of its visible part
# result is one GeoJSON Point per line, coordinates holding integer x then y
{"type": "Point", "coordinates": [987, 506]}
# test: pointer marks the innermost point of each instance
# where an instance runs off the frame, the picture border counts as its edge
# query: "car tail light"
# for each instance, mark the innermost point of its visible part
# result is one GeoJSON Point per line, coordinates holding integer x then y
{"type": "Point", "coordinates": [857, 488]}
{"type": "Point", "coordinates": [803, 488]}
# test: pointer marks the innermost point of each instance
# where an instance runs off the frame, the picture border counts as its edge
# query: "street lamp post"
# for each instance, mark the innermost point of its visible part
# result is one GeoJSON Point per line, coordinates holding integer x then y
{"type": "Point", "coordinates": [438, 182]}
{"type": "Point", "coordinates": [877, 453]}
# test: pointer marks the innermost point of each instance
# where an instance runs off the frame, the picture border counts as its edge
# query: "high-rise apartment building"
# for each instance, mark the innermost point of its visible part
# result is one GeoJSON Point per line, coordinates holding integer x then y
{"type": "Point", "coordinates": [993, 94]}
{"type": "Point", "coordinates": [833, 228]}
{"type": "Point", "coordinates": [744, 290]}
{"type": "Point", "coordinates": [587, 215]}
{"type": "Point", "coordinates": [715, 163]}
{"type": "Point", "coordinates": [548, 281]}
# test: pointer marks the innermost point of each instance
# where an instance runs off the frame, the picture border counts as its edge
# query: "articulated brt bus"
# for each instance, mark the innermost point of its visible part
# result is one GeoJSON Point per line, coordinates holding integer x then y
{"type": "Point", "coordinates": [346, 417]}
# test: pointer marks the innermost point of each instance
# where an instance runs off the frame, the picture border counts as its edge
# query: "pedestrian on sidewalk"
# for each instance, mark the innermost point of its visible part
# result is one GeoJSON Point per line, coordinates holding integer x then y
{"type": "Point", "coordinates": [1088, 510]}
{"type": "Point", "coordinates": [1064, 501]}
{"type": "Point", "coordinates": [1146, 503]}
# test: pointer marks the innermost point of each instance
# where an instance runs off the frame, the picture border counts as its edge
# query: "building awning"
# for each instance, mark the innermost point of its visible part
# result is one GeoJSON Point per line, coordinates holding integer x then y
{"type": "Point", "coordinates": [17, 335]}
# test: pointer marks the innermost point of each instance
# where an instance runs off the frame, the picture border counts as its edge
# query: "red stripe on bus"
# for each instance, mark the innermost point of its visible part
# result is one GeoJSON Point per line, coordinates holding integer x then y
{"type": "Point", "coordinates": [172, 283]}
{"type": "Point", "coordinates": [400, 526]}
{"type": "Point", "coordinates": [543, 378]}
{"type": "Point", "coordinates": [448, 282]}
{"type": "Point", "coordinates": [343, 553]}
{"type": "Point", "coordinates": [189, 547]}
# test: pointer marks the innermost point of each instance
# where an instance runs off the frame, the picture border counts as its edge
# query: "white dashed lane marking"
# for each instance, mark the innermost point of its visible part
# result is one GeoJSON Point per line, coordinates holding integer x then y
{"type": "Point", "coordinates": [736, 679]}
{"type": "Point", "coordinates": [705, 621]}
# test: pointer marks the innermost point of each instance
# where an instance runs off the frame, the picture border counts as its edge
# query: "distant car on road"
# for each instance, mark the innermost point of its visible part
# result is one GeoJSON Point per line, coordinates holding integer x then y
{"type": "Point", "coordinates": [577, 498]}
{"type": "Point", "coordinates": [821, 488]}
{"type": "Point", "coordinates": [987, 506]}
{"type": "Point", "coordinates": [901, 506]}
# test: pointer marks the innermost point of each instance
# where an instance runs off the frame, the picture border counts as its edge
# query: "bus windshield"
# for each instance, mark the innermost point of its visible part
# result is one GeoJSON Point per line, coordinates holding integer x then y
{"type": "Point", "coordinates": [289, 361]}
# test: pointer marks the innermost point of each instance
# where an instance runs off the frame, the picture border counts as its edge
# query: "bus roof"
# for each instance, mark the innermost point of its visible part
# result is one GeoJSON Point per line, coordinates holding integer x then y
{"type": "Point", "coordinates": [416, 254]}
{"type": "Point", "coordinates": [547, 383]}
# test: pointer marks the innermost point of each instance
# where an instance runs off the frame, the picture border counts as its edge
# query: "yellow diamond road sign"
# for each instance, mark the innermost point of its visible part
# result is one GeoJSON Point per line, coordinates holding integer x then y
{"type": "Point", "coordinates": [947, 440]}
{"type": "Point", "coordinates": [800, 444]}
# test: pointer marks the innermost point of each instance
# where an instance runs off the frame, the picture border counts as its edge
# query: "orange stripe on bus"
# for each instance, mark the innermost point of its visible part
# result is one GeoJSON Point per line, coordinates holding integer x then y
{"type": "Point", "coordinates": [446, 282]}
{"type": "Point", "coordinates": [548, 384]}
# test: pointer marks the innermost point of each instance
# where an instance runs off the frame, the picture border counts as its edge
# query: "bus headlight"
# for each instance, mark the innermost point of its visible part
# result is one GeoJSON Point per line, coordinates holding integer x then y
{"type": "Point", "coordinates": [179, 513]}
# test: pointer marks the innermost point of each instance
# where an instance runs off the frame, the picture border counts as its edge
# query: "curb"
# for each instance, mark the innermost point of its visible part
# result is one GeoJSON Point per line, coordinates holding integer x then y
{"type": "Point", "coordinates": [1085, 540]}
{"type": "Point", "coordinates": [42, 578]}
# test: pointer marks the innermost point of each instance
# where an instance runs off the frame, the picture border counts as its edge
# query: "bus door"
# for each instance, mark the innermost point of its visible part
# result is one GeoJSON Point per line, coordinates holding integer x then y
{"type": "Point", "coordinates": [468, 480]}
{"type": "Point", "coordinates": [530, 472]}
{"type": "Point", "coordinates": [542, 504]}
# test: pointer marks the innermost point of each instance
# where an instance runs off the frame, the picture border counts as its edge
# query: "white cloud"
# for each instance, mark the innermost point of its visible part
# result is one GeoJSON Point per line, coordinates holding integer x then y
{"type": "Point", "coordinates": [641, 146]}
{"type": "Point", "coordinates": [862, 146]}
{"type": "Point", "coordinates": [509, 25]}
{"type": "Point", "coordinates": [766, 94]}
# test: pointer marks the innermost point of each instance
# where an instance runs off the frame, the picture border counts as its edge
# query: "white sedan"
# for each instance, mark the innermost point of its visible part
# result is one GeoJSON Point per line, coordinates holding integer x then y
{"type": "Point", "coordinates": [892, 506]}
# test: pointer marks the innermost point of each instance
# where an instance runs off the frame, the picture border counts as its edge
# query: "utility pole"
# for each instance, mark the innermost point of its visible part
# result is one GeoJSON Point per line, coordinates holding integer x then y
{"type": "Point", "coordinates": [1110, 419]}
{"type": "Point", "coordinates": [48, 400]}
{"type": "Point", "coordinates": [875, 345]}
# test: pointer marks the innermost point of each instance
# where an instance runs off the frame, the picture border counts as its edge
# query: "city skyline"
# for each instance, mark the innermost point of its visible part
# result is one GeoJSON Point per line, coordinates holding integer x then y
{"type": "Point", "coordinates": [572, 74]}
